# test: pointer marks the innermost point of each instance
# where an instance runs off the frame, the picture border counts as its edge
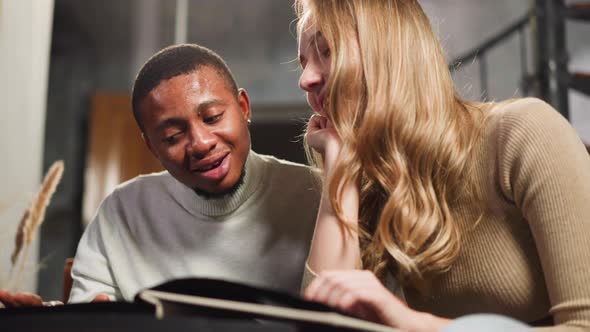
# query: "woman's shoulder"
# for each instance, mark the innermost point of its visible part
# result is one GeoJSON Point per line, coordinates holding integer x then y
{"type": "Point", "coordinates": [522, 111]}
{"type": "Point", "coordinates": [525, 118]}
{"type": "Point", "coordinates": [529, 124]}
{"type": "Point", "coordinates": [516, 126]}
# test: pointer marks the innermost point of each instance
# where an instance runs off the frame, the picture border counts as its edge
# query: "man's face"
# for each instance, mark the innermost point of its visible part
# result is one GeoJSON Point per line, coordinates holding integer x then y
{"type": "Point", "coordinates": [198, 129]}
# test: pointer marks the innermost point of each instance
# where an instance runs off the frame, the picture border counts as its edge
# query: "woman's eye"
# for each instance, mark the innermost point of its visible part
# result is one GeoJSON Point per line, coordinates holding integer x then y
{"type": "Point", "coordinates": [326, 53]}
{"type": "Point", "coordinates": [213, 119]}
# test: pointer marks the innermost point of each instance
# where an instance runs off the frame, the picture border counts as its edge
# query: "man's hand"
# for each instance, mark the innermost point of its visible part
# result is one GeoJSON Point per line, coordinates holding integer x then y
{"type": "Point", "coordinates": [22, 300]}
{"type": "Point", "coordinates": [101, 298]}
{"type": "Point", "coordinates": [19, 300]}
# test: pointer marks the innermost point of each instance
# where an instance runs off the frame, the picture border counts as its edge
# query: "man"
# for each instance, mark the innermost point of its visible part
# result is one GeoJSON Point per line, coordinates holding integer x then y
{"type": "Point", "coordinates": [219, 211]}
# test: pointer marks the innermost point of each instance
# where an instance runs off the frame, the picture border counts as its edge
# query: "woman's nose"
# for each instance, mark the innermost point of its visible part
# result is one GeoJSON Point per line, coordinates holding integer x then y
{"type": "Point", "coordinates": [311, 79]}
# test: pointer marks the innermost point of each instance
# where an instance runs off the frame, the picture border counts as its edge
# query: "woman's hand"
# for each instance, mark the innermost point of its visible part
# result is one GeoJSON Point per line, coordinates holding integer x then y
{"type": "Point", "coordinates": [361, 294]}
{"type": "Point", "coordinates": [322, 137]}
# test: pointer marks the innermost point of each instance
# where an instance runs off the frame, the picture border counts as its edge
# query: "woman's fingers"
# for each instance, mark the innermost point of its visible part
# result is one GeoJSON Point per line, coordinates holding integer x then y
{"type": "Point", "coordinates": [341, 290]}
{"type": "Point", "coordinates": [357, 292]}
{"type": "Point", "coordinates": [322, 137]}
{"type": "Point", "coordinates": [316, 122]}
{"type": "Point", "coordinates": [311, 290]}
{"type": "Point", "coordinates": [326, 293]}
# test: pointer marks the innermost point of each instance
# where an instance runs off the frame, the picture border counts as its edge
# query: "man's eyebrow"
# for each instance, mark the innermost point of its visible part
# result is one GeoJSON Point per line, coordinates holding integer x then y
{"type": "Point", "coordinates": [170, 122]}
{"type": "Point", "coordinates": [209, 103]}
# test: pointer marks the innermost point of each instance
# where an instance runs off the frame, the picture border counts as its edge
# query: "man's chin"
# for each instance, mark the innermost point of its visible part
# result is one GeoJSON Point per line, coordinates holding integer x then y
{"type": "Point", "coordinates": [222, 192]}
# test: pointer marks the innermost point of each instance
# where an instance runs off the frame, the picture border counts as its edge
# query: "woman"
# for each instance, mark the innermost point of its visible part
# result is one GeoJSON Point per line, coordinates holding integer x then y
{"type": "Point", "coordinates": [472, 207]}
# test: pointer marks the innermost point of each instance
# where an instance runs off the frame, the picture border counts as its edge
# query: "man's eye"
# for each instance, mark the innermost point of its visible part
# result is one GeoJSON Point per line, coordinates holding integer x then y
{"type": "Point", "coordinates": [172, 138]}
{"type": "Point", "coordinates": [212, 119]}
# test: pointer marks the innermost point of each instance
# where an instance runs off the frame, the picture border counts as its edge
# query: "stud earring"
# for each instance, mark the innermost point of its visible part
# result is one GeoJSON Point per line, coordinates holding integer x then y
{"type": "Point", "coordinates": [249, 121]}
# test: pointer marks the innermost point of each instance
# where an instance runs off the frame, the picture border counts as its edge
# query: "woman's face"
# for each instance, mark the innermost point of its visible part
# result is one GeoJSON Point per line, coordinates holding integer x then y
{"type": "Point", "coordinates": [314, 58]}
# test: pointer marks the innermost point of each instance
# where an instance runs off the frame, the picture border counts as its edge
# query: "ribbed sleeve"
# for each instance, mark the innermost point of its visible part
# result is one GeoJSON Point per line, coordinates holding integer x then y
{"type": "Point", "coordinates": [528, 256]}
{"type": "Point", "coordinates": [545, 170]}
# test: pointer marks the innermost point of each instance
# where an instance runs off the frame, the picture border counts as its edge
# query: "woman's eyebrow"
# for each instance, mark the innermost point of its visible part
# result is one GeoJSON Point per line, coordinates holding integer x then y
{"type": "Point", "coordinates": [313, 40]}
{"type": "Point", "coordinates": [316, 36]}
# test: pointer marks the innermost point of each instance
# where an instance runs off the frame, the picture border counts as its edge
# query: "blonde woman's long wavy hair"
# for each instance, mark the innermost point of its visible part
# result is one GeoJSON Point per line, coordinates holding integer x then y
{"type": "Point", "coordinates": [407, 135]}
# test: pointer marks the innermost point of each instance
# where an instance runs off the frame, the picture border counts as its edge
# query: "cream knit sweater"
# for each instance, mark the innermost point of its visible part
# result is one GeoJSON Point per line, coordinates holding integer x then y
{"type": "Point", "coordinates": [153, 229]}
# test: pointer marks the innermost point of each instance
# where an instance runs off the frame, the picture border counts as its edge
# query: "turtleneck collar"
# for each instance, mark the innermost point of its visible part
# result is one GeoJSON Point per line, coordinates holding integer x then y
{"type": "Point", "coordinates": [215, 207]}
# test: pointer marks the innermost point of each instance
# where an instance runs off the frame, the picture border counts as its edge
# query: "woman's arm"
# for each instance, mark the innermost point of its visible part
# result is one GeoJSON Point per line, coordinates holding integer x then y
{"type": "Point", "coordinates": [545, 170]}
{"type": "Point", "coordinates": [334, 246]}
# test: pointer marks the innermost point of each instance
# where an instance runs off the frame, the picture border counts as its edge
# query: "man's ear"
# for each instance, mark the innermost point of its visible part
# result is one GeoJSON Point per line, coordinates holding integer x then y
{"type": "Point", "coordinates": [244, 102]}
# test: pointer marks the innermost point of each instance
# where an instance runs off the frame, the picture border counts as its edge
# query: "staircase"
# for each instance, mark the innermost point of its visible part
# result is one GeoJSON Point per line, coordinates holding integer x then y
{"type": "Point", "coordinates": [553, 79]}
{"type": "Point", "coordinates": [580, 81]}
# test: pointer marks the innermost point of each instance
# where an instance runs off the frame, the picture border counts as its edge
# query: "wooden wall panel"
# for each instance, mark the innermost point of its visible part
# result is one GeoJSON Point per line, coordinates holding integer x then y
{"type": "Point", "coordinates": [116, 151]}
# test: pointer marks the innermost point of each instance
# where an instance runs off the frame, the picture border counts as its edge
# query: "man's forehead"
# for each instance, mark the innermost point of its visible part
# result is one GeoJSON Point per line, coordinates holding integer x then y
{"type": "Point", "coordinates": [192, 90]}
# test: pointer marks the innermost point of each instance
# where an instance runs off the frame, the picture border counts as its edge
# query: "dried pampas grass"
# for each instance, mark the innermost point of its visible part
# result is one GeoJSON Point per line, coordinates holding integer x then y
{"type": "Point", "coordinates": [31, 220]}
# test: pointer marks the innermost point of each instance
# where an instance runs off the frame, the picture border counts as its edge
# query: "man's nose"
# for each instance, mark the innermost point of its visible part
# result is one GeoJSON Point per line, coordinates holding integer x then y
{"type": "Point", "coordinates": [311, 79]}
{"type": "Point", "coordinates": [202, 140]}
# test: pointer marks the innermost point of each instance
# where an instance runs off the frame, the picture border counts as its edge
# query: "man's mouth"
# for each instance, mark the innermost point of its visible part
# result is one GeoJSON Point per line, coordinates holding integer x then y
{"type": "Point", "coordinates": [212, 166]}
{"type": "Point", "coordinates": [209, 164]}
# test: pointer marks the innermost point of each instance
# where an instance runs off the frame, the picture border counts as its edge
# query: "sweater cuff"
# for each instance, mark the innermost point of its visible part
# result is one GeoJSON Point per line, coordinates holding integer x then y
{"type": "Point", "coordinates": [308, 276]}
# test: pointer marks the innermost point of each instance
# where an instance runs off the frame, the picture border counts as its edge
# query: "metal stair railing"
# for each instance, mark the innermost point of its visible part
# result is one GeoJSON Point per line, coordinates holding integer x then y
{"type": "Point", "coordinates": [481, 50]}
{"type": "Point", "coordinates": [579, 81]}
{"type": "Point", "coordinates": [551, 79]}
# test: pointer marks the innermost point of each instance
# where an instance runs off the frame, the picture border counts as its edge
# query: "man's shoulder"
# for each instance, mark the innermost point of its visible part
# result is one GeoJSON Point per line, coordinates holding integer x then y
{"type": "Point", "coordinates": [143, 193]}
{"type": "Point", "coordinates": [145, 181]}
{"type": "Point", "coordinates": [282, 165]}
{"type": "Point", "coordinates": [287, 176]}
{"type": "Point", "coordinates": [291, 191]}
{"type": "Point", "coordinates": [143, 186]}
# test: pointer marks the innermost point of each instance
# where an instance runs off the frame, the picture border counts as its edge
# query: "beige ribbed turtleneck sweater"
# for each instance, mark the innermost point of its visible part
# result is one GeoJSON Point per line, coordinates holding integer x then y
{"type": "Point", "coordinates": [529, 256]}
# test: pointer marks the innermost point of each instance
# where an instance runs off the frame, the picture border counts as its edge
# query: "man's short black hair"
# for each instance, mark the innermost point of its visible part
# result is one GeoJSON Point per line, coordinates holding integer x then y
{"type": "Point", "coordinates": [173, 61]}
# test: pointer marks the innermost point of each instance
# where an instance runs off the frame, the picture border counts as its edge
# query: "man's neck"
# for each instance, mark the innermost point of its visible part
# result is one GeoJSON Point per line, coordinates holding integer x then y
{"type": "Point", "coordinates": [221, 195]}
